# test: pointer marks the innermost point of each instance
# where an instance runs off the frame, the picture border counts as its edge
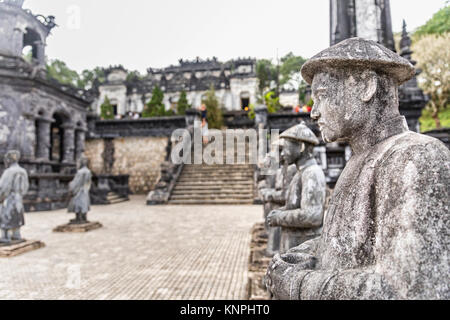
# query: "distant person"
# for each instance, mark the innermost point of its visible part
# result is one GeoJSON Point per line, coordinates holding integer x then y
{"type": "Point", "coordinates": [205, 130]}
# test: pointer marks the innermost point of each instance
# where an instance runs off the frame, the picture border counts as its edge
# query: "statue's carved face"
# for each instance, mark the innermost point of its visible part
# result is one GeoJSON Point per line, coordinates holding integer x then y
{"type": "Point", "coordinates": [341, 99]}
{"type": "Point", "coordinates": [329, 109]}
{"type": "Point", "coordinates": [292, 151]}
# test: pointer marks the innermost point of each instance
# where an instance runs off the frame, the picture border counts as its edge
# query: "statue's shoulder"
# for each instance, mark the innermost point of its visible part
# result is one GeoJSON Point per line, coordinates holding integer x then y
{"type": "Point", "coordinates": [412, 147]}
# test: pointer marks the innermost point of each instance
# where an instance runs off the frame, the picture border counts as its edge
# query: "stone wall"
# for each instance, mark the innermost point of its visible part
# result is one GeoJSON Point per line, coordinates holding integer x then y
{"type": "Point", "coordinates": [138, 157]}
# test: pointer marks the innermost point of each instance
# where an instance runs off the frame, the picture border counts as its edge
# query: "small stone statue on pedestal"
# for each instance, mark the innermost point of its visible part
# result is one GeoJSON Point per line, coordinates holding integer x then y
{"type": "Point", "coordinates": [302, 215]}
{"type": "Point", "coordinates": [13, 186]}
{"type": "Point", "coordinates": [385, 234]}
{"type": "Point", "coordinates": [80, 202]}
{"type": "Point", "coordinates": [79, 190]}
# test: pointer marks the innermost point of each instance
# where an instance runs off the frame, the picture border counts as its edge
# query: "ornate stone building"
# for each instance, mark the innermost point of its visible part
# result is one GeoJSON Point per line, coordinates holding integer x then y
{"type": "Point", "coordinates": [42, 119]}
{"type": "Point", "coordinates": [235, 83]}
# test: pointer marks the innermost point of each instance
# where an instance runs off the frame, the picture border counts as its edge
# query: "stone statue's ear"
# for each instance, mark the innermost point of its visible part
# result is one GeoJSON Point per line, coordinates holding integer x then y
{"type": "Point", "coordinates": [302, 147]}
{"type": "Point", "coordinates": [371, 85]}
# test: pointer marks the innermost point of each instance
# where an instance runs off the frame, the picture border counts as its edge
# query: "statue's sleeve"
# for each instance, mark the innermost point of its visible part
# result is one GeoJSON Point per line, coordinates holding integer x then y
{"type": "Point", "coordinates": [5, 185]}
{"type": "Point", "coordinates": [76, 184]}
{"type": "Point", "coordinates": [310, 213]}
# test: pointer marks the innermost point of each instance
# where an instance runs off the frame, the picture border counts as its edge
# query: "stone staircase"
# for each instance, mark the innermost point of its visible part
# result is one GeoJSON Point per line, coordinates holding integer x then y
{"type": "Point", "coordinates": [114, 198]}
{"type": "Point", "coordinates": [215, 184]}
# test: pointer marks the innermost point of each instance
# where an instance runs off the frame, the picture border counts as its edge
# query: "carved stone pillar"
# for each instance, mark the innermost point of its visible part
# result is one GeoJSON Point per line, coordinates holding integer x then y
{"type": "Point", "coordinates": [80, 136]}
{"type": "Point", "coordinates": [69, 143]}
{"type": "Point", "coordinates": [40, 52]}
{"type": "Point", "coordinates": [43, 139]}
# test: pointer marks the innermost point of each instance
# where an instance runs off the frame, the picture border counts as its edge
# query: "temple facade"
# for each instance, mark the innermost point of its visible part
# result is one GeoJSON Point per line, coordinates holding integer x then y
{"type": "Point", "coordinates": [235, 85]}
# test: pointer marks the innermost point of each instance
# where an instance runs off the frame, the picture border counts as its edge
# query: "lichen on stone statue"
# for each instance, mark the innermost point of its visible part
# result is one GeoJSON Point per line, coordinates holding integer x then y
{"type": "Point", "coordinates": [385, 234]}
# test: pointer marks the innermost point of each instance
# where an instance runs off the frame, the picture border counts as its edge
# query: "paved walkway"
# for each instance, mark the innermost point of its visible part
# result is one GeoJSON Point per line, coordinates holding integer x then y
{"type": "Point", "coordinates": [162, 252]}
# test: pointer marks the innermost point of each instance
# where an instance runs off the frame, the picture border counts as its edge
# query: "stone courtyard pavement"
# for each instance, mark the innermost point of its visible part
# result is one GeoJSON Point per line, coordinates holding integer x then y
{"type": "Point", "coordinates": [143, 252]}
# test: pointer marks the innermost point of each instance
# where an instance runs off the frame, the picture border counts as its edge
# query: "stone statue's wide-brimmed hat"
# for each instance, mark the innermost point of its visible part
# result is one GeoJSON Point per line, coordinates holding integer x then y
{"type": "Point", "coordinates": [359, 53]}
{"type": "Point", "coordinates": [301, 133]}
{"type": "Point", "coordinates": [13, 155]}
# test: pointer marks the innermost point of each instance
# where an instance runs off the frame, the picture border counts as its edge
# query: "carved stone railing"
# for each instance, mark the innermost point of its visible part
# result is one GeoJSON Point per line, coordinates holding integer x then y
{"type": "Point", "coordinates": [237, 120]}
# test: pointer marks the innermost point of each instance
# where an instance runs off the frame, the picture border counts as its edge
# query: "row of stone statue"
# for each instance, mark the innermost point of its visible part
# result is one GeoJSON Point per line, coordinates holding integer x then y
{"type": "Point", "coordinates": [385, 232]}
{"type": "Point", "coordinates": [14, 186]}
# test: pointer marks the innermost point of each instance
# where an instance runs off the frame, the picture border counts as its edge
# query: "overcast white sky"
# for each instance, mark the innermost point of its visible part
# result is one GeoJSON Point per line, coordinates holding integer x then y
{"type": "Point", "coordinates": [156, 33]}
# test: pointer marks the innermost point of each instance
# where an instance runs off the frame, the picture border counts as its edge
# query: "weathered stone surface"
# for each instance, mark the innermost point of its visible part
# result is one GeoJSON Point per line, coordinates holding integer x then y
{"type": "Point", "coordinates": [20, 248]}
{"type": "Point", "coordinates": [385, 234]}
{"type": "Point", "coordinates": [13, 186]}
{"type": "Point", "coordinates": [79, 187]}
{"type": "Point", "coordinates": [138, 157]}
{"type": "Point", "coordinates": [257, 264]}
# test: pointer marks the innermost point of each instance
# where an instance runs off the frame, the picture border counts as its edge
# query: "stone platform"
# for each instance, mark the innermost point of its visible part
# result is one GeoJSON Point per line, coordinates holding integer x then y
{"type": "Point", "coordinates": [19, 247]}
{"type": "Point", "coordinates": [257, 264]}
{"type": "Point", "coordinates": [78, 228]}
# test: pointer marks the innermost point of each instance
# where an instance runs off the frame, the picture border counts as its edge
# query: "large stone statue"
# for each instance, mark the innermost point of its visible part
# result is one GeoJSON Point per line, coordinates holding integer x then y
{"type": "Point", "coordinates": [13, 186]}
{"type": "Point", "coordinates": [385, 234]}
{"type": "Point", "coordinates": [79, 189]}
{"type": "Point", "coordinates": [301, 217]}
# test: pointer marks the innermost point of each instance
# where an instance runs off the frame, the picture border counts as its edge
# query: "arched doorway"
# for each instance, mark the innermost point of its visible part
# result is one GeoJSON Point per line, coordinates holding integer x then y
{"type": "Point", "coordinates": [245, 100]}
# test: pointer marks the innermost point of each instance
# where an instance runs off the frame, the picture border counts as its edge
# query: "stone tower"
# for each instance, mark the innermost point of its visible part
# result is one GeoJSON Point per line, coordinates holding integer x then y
{"type": "Point", "coordinates": [369, 19]}
{"type": "Point", "coordinates": [20, 28]}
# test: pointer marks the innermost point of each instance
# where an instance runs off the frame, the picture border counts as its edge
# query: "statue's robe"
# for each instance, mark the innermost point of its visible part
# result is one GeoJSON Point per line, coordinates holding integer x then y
{"type": "Point", "coordinates": [282, 181]}
{"type": "Point", "coordinates": [302, 216]}
{"type": "Point", "coordinates": [385, 234]}
{"type": "Point", "coordinates": [79, 189]}
{"type": "Point", "coordinates": [13, 186]}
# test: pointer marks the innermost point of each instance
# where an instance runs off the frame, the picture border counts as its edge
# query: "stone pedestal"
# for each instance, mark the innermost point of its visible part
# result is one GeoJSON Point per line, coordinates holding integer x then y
{"type": "Point", "coordinates": [257, 264]}
{"type": "Point", "coordinates": [19, 247]}
{"type": "Point", "coordinates": [78, 228]}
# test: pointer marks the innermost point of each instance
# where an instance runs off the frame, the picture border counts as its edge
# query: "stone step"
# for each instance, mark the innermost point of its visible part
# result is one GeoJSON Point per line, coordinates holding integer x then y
{"type": "Point", "coordinates": [211, 202]}
{"type": "Point", "coordinates": [223, 188]}
{"type": "Point", "coordinates": [213, 184]}
{"type": "Point", "coordinates": [223, 168]}
{"type": "Point", "coordinates": [189, 198]}
{"type": "Point", "coordinates": [206, 192]}
{"type": "Point", "coordinates": [212, 176]}
{"type": "Point", "coordinates": [119, 200]}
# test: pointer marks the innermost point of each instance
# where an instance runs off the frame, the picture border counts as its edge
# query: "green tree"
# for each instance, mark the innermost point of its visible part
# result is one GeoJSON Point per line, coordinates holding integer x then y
{"type": "Point", "coordinates": [183, 104]}
{"type": "Point", "coordinates": [272, 102]}
{"type": "Point", "coordinates": [266, 72]}
{"type": "Point", "coordinates": [215, 117]}
{"type": "Point", "coordinates": [155, 107]}
{"type": "Point", "coordinates": [59, 71]}
{"type": "Point", "coordinates": [438, 24]}
{"type": "Point", "coordinates": [290, 68]}
{"type": "Point", "coordinates": [88, 78]}
{"type": "Point", "coordinates": [432, 53]}
{"type": "Point", "coordinates": [106, 110]}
